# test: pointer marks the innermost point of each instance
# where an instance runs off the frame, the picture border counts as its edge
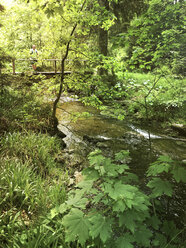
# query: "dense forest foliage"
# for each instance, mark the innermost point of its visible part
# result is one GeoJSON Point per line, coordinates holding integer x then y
{"type": "Point", "coordinates": [125, 58]}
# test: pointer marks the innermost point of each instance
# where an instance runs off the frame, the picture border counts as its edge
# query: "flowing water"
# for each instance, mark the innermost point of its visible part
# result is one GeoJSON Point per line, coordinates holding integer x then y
{"type": "Point", "coordinates": [111, 135]}
{"type": "Point", "coordinates": [114, 135]}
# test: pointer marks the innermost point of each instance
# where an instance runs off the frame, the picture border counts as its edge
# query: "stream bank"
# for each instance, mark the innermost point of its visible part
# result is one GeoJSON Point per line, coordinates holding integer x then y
{"type": "Point", "coordinates": [88, 132]}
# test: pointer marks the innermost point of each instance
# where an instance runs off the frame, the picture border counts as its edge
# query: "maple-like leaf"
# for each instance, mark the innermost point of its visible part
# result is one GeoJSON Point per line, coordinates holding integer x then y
{"type": "Point", "coordinates": [90, 174]}
{"type": "Point", "coordinates": [76, 226]}
{"type": "Point", "coordinates": [179, 174]}
{"type": "Point", "coordinates": [157, 168]}
{"type": "Point", "coordinates": [154, 222]}
{"type": "Point", "coordinates": [96, 161]}
{"type": "Point", "coordinates": [120, 191]}
{"type": "Point", "coordinates": [160, 187]}
{"type": "Point", "coordinates": [119, 206]}
{"type": "Point", "coordinates": [101, 226]}
{"type": "Point", "coordinates": [122, 156]}
{"type": "Point", "coordinates": [125, 241]}
{"type": "Point", "coordinates": [77, 200]}
{"type": "Point", "coordinates": [142, 236]}
{"type": "Point", "coordinates": [129, 218]}
{"type": "Point", "coordinates": [110, 168]}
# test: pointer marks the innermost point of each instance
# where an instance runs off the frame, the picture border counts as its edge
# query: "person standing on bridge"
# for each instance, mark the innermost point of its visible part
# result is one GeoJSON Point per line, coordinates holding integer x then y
{"type": "Point", "coordinates": [34, 54]}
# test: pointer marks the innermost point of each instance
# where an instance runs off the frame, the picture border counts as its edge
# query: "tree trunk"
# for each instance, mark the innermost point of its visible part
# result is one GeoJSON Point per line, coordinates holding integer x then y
{"type": "Point", "coordinates": [55, 120]}
{"type": "Point", "coordinates": [103, 37]}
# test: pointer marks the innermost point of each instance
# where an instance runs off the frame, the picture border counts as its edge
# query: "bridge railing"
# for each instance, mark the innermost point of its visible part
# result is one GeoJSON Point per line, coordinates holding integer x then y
{"type": "Point", "coordinates": [54, 66]}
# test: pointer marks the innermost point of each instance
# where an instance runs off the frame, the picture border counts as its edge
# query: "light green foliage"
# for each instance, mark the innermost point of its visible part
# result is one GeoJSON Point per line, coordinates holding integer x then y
{"type": "Point", "coordinates": [156, 38]}
{"type": "Point", "coordinates": [20, 191]}
{"type": "Point", "coordinates": [154, 96]}
{"type": "Point", "coordinates": [26, 159]}
{"type": "Point", "coordinates": [38, 150]}
{"type": "Point", "coordinates": [163, 164]}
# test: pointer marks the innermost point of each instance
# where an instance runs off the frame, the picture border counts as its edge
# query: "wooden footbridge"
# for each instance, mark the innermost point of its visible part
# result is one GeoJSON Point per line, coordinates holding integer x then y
{"type": "Point", "coordinates": [53, 66]}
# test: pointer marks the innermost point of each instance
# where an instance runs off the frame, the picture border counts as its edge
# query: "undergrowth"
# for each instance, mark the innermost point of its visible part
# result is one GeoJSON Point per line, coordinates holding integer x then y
{"type": "Point", "coordinates": [109, 209]}
{"type": "Point", "coordinates": [20, 109]}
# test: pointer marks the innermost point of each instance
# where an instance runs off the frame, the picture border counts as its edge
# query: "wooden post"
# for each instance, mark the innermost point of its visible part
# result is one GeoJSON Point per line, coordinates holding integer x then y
{"type": "Point", "coordinates": [55, 67]}
{"type": "Point", "coordinates": [13, 66]}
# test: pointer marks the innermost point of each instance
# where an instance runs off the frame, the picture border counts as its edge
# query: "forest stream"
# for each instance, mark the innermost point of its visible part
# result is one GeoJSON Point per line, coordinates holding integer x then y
{"type": "Point", "coordinates": [111, 135]}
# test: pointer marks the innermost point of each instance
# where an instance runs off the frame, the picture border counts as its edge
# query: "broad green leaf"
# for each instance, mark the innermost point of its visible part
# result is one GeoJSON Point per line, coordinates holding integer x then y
{"type": "Point", "coordinates": [160, 187]}
{"type": "Point", "coordinates": [154, 222]}
{"type": "Point", "coordinates": [86, 185]}
{"type": "Point", "coordinates": [141, 202]}
{"type": "Point", "coordinates": [130, 217]}
{"type": "Point", "coordinates": [98, 198]}
{"type": "Point", "coordinates": [96, 161]}
{"type": "Point", "coordinates": [163, 158]}
{"type": "Point", "coordinates": [119, 206]}
{"type": "Point", "coordinates": [53, 212]}
{"type": "Point", "coordinates": [77, 200]}
{"type": "Point", "coordinates": [62, 208]}
{"type": "Point", "coordinates": [125, 242]}
{"type": "Point", "coordinates": [158, 167]}
{"type": "Point", "coordinates": [170, 229]}
{"type": "Point", "coordinates": [122, 167]}
{"type": "Point", "coordinates": [110, 168]}
{"type": "Point", "coordinates": [120, 191]}
{"type": "Point", "coordinates": [128, 177]}
{"type": "Point", "coordinates": [90, 174]}
{"type": "Point", "coordinates": [179, 174]}
{"type": "Point", "coordinates": [101, 226]}
{"type": "Point", "coordinates": [76, 226]}
{"type": "Point", "coordinates": [143, 236]}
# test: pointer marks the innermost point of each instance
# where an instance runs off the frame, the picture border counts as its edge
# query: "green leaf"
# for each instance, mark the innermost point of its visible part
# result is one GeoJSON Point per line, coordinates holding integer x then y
{"type": "Point", "coordinates": [63, 208]}
{"type": "Point", "coordinates": [120, 191]}
{"type": "Point", "coordinates": [119, 206]}
{"type": "Point", "coordinates": [160, 187]}
{"type": "Point", "coordinates": [121, 168]}
{"type": "Point", "coordinates": [98, 198]}
{"type": "Point", "coordinates": [143, 236]}
{"type": "Point", "coordinates": [90, 174]}
{"type": "Point", "coordinates": [76, 226]}
{"type": "Point", "coordinates": [101, 226]}
{"type": "Point", "coordinates": [86, 185]}
{"type": "Point", "coordinates": [97, 161]}
{"type": "Point", "coordinates": [128, 177]}
{"type": "Point", "coordinates": [125, 242]}
{"type": "Point", "coordinates": [77, 200]}
{"type": "Point", "coordinates": [53, 212]}
{"type": "Point", "coordinates": [179, 174]}
{"type": "Point", "coordinates": [110, 168]}
{"type": "Point", "coordinates": [122, 156]}
{"type": "Point", "coordinates": [154, 222]}
{"type": "Point", "coordinates": [161, 165]}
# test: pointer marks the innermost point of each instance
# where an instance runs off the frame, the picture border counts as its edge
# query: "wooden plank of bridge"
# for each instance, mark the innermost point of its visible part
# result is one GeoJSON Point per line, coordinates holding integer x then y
{"type": "Point", "coordinates": [51, 72]}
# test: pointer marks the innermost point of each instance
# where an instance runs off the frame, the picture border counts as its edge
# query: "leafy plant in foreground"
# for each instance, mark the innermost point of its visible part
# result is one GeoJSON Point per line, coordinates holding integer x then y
{"type": "Point", "coordinates": [107, 208]}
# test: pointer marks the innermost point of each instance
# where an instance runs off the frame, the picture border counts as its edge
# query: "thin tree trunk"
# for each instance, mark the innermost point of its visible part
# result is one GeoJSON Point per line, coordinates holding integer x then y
{"type": "Point", "coordinates": [103, 37]}
{"type": "Point", "coordinates": [55, 120]}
